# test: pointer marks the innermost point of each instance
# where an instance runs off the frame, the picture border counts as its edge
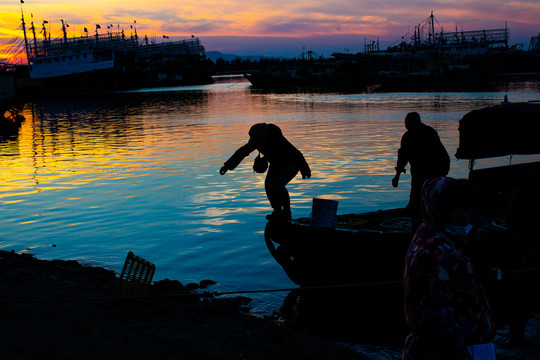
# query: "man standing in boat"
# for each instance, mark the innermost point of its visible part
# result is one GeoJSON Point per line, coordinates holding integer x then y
{"type": "Point", "coordinates": [285, 161]}
{"type": "Point", "coordinates": [422, 148]}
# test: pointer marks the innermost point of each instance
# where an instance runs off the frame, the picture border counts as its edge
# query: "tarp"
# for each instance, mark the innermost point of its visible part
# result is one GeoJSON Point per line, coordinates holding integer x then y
{"type": "Point", "coordinates": [500, 130]}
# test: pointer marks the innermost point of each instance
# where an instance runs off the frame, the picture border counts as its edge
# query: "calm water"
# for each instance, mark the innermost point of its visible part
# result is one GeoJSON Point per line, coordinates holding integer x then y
{"type": "Point", "coordinates": [92, 178]}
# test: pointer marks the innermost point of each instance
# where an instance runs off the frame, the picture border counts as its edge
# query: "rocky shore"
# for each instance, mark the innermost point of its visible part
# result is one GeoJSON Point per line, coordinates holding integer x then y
{"type": "Point", "coordinates": [64, 310]}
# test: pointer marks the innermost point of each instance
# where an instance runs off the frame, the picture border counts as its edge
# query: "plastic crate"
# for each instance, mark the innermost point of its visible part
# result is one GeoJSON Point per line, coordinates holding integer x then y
{"type": "Point", "coordinates": [136, 276]}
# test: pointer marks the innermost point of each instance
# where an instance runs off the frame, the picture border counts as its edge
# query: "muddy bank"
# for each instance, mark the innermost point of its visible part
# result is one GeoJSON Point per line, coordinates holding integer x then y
{"type": "Point", "coordinates": [63, 310]}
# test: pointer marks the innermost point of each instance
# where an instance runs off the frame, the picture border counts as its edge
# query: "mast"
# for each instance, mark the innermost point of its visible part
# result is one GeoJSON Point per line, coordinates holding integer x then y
{"type": "Point", "coordinates": [506, 34]}
{"type": "Point", "coordinates": [432, 28]}
{"type": "Point", "coordinates": [64, 30]}
{"type": "Point", "coordinates": [44, 30]}
{"type": "Point", "coordinates": [35, 40]}
{"type": "Point", "coordinates": [24, 32]}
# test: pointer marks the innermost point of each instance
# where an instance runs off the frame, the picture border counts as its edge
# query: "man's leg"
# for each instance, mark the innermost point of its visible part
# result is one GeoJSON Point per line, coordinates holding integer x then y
{"type": "Point", "coordinates": [275, 183]}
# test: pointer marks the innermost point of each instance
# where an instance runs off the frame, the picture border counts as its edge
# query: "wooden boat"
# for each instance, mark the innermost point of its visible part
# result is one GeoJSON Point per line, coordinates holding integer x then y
{"type": "Point", "coordinates": [355, 250]}
{"type": "Point", "coordinates": [366, 251]}
{"type": "Point", "coordinates": [350, 274]}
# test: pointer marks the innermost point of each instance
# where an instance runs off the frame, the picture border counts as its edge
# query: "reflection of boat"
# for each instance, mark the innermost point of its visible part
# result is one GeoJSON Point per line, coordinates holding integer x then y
{"type": "Point", "coordinates": [10, 108]}
{"type": "Point", "coordinates": [10, 118]}
{"type": "Point", "coordinates": [367, 250]}
{"type": "Point", "coordinates": [112, 60]}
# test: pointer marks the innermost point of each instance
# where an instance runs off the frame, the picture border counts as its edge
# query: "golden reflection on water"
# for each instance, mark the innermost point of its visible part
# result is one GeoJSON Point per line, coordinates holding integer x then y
{"type": "Point", "coordinates": [125, 140]}
{"type": "Point", "coordinates": [139, 171]}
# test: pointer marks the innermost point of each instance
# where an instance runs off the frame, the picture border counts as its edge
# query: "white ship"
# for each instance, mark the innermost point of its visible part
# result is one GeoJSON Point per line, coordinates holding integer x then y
{"type": "Point", "coordinates": [112, 59]}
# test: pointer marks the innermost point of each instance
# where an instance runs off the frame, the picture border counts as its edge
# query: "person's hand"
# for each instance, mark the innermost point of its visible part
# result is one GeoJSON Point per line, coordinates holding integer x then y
{"type": "Point", "coordinates": [395, 181]}
{"type": "Point", "coordinates": [223, 170]}
{"type": "Point", "coordinates": [306, 174]}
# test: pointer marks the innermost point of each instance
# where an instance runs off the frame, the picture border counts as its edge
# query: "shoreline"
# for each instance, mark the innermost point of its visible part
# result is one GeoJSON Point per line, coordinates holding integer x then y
{"type": "Point", "coordinates": [60, 309]}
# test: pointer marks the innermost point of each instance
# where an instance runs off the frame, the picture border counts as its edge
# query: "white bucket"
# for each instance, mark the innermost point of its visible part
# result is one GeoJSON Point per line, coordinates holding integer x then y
{"type": "Point", "coordinates": [323, 212]}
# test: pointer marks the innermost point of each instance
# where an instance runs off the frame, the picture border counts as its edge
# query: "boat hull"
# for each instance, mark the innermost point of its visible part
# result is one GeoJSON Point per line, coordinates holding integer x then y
{"type": "Point", "coordinates": [350, 279]}
{"type": "Point", "coordinates": [365, 266]}
{"type": "Point", "coordinates": [327, 256]}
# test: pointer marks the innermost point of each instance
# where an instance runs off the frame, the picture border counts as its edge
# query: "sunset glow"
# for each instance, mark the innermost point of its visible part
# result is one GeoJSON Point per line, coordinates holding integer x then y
{"type": "Point", "coordinates": [255, 26]}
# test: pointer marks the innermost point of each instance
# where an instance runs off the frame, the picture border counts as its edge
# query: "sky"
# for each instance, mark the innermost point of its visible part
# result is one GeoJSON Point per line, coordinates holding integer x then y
{"type": "Point", "coordinates": [276, 27]}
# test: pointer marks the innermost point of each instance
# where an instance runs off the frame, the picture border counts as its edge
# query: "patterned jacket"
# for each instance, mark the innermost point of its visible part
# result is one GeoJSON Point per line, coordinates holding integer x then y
{"type": "Point", "coordinates": [445, 305]}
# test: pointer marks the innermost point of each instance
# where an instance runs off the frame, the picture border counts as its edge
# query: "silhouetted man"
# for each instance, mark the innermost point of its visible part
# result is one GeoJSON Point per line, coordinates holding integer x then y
{"type": "Point", "coordinates": [285, 161]}
{"type": "Point", "coordinates": [422, 148]}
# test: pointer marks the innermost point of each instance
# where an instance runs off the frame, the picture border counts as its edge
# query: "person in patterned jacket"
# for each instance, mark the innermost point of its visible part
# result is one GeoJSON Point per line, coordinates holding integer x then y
{"type": "Point", "coordinates": [445, 305]}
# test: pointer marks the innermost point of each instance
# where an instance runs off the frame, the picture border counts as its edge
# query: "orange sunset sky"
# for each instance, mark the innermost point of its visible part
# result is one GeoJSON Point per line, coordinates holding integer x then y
{"type": "Point", "coordinates": [277, 27]}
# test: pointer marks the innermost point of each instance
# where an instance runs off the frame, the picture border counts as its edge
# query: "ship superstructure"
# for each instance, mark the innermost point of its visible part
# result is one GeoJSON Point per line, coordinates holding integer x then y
{"type": "Point", "coordinates": [125, 61]}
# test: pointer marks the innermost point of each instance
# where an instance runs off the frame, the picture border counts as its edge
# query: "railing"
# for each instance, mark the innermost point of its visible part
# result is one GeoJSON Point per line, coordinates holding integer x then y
{"type": "Point", "coordinates": [115, 42]}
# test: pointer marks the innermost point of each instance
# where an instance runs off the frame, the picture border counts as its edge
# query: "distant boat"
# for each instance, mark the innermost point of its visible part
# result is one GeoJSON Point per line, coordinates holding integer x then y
{"type": "Point", "coordinates": [111, 61]}
{"type": "Point", "coordinates": [312, 73]}
{"type": "Point", "coordinates": [424, 60]}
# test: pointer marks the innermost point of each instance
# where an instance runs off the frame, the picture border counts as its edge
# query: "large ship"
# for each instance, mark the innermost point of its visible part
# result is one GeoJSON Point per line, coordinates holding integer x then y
{"type": "Point", "coordinates": [427, 58]}
{"type": "Point", "coordinates": [111, 60]}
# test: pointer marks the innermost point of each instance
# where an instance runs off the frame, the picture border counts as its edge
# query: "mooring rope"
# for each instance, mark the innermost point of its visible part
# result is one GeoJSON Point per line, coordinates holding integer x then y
{"type": "Point", "coordinates": [235, 292]}
{"type": "Point", "coordinates": [207, 294]}
{"type": "Point", "coordinates": [521, 270]}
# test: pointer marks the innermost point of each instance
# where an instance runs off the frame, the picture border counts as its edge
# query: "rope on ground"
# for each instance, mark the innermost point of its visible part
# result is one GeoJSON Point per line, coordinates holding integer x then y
{"type": "Point", "coordinates": [517, 271]}
{"type": "Point", "coordinates": [236, 292]}
{"type": "Point", "coordinates": [204, 294]}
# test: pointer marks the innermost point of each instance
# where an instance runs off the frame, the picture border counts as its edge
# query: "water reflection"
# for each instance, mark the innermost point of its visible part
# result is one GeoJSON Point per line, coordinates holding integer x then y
{"type": "Point", "coordinates": [11, 120]}
{"type": "Point", "coordinates": [367, 315]}
{"type": "Point", "coordinates": [98, 176]}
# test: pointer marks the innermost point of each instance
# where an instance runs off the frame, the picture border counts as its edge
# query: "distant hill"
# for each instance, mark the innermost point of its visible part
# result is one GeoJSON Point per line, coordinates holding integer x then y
{"type": "Point", "coordinates": [214, 55]}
